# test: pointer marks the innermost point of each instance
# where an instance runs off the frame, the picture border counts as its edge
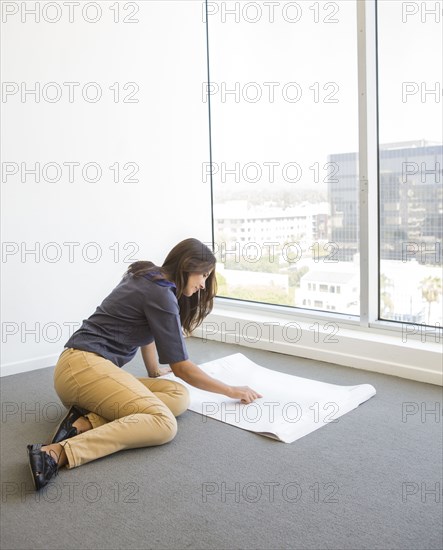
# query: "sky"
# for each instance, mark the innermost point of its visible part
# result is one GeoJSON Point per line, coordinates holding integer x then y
{"type": "Point", "coordinates": [321, 58]}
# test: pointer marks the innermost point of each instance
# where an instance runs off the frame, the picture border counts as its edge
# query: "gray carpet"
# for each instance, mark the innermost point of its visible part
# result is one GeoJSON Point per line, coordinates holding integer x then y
{"type": "Point", "coordinates": [364, 482]}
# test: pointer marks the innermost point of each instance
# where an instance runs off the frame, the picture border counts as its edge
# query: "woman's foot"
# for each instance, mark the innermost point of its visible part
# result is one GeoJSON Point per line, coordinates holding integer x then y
{"type": "Point", "coordinates": [57, 453]}
{"type": "Point", "coordinates": [43, 465]}
{"type": "Point", "coordinates": [82, 424]}
{"type": "Point", "coordinates": [74, 423]}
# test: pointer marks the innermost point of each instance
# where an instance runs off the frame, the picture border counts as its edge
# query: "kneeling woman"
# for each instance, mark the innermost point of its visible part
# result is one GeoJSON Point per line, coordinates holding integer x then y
{"type": "Point", "coordinates": [110, 409]}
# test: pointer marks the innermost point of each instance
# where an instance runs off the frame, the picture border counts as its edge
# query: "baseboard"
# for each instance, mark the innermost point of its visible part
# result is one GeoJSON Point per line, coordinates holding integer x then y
{"type": "Point", "coordinates": [27, 365]}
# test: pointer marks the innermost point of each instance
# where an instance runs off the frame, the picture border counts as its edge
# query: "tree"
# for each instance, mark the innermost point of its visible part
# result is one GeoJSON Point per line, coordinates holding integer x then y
{"type": "Point", "coordinates": [266, 294]}
{"type": "Point", "coordinates": [431, 291]}
{"type": "Point", "coordinates": [222, 286]}
{"type": "Point", "coordinates": [263, 264]}
{"type": "Point", "coordinates": [387, 305]}
{"type": "Point", "coordinates": [296, 274]}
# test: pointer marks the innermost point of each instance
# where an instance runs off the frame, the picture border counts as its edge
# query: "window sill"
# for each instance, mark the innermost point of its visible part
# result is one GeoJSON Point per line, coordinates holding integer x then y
{"type": "Point", "coordinates": [333, 338]}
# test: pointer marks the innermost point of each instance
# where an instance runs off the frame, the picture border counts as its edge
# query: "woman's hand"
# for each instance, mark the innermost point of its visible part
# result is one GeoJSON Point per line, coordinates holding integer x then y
{"type": "Point", "coordinates": [244, 393]}
{"type": "Point", "coordinates": [164, 370]}
{"type": "Point", "coordinates": [161, 371]}
{"type": "Point", "coordinates": [195, 376]}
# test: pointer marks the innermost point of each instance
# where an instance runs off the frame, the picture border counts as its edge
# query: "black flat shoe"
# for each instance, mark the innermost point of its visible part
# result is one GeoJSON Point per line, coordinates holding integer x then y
{"type": "Point", "coordinates": [43, 466]}
{"type": "Point", "coordinates": [65, 429]}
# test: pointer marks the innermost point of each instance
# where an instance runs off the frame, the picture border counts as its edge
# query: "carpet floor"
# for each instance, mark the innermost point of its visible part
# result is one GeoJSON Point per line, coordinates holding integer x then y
{"type": "Point", "coordinates": [371, 480]}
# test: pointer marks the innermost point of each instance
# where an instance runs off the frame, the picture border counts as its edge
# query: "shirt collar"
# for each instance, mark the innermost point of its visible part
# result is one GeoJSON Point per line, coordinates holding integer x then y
{"type": "Point", "coordinates": [161, 282]}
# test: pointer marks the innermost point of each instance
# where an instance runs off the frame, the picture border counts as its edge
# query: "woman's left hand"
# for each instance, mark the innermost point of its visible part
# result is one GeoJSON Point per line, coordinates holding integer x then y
{"type": "Point", "coordinates": [165, 370]}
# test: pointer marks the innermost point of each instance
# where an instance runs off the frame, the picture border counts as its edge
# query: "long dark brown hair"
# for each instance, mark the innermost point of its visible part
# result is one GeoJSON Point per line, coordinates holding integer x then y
{"type": "Point", "coordinates": [188, 256]}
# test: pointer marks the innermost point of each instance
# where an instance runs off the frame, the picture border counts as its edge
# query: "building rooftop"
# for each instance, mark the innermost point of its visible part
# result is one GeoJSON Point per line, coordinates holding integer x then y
{"type": "Point", "coordinates": [328, 277]}
{"type": "Point", "coordinates": [240, 210]}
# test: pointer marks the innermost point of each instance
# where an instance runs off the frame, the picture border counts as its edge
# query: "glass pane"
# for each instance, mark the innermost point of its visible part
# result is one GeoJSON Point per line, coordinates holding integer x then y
{"type": "Point", "coordinates": [284, 114]}
{"type": "Point", "coordinates": [410, 153]}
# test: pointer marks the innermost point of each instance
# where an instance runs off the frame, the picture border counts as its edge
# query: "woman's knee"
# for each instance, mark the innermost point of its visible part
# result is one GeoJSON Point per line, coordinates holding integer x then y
{"type": "Point", "coordinates": [166, 428]}
{"type": "Point", "coordinates": [181, 399]}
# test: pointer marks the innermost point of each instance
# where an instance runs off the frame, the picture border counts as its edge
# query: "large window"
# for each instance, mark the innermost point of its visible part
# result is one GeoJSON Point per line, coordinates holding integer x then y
{"type": "Point", "coordinates": [284, 111]}
{"type": "Point", "coordinates": [284, 103]}
{"type": "Point", "coordinates": [410, 161]}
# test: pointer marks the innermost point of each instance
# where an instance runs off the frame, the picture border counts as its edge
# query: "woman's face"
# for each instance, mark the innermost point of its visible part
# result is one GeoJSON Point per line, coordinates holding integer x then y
{"type": "Point", "coordinates": [196, 282]}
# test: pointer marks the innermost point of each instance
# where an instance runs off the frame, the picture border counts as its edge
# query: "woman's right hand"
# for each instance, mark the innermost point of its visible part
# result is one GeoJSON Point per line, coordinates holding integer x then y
{"type": "Point", "coordinates": [195, 376]}
{"type": "Point", "coordinates": [244, 393]}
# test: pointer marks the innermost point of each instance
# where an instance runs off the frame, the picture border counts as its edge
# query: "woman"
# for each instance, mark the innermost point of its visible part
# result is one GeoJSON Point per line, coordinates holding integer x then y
{"type": "Point", "coordinates": [109, 409]}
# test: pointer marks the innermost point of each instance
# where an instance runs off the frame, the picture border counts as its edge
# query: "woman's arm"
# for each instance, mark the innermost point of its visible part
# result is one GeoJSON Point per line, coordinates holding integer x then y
{"type": "Point", "coordinates": [150, 359]}
{"type": "Point", "coordinates": [193, 375]}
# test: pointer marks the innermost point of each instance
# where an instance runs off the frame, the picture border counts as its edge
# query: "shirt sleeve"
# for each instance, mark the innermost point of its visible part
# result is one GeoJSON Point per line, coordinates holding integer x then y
{"type": "Point", "coordinates": [163, 315]}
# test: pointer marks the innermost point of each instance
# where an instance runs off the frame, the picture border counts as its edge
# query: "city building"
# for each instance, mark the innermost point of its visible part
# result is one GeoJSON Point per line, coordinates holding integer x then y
{"type": "Point", "coordinates": [329, 290]}
{"type": "Point", "coordinates": [237, 223]}
{"type": "Point", "coordinates": [410, 201]}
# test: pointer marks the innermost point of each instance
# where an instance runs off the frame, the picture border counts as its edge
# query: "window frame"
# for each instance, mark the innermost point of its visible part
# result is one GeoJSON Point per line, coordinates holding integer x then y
{"type": "Point", "coordinates": [368, 177]}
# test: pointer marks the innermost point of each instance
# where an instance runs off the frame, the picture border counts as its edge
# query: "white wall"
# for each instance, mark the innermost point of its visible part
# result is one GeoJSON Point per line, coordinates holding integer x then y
{"type": "Point", "coordinates": [165, 134]}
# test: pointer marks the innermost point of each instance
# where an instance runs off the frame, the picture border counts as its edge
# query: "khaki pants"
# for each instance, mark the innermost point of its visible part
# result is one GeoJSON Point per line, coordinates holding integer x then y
{"type": "Point", "coordinates": [126, 412]}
